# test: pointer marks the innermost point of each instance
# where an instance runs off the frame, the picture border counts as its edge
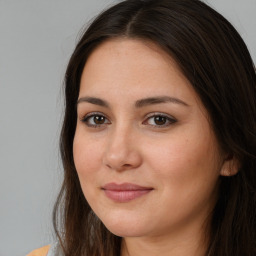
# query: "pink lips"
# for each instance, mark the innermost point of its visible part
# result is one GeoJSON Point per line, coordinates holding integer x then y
{"type": "Point", "coordinates": [125, 192]}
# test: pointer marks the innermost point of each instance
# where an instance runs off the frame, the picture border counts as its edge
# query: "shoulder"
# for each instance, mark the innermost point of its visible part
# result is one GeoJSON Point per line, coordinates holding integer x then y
{"type": "Point", "coordinates": [40, 252]}
{"type": "Point", "coordinates": [50, 250]}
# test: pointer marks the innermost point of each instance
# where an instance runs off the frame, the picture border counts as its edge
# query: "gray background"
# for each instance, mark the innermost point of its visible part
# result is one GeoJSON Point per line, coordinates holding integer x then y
{"type": "Point", "coordinates": [36, 40]}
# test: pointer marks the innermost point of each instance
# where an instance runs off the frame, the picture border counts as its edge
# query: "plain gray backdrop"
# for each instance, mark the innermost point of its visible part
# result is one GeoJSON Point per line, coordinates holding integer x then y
{"type": "Point", "coordinates": [36, 40]}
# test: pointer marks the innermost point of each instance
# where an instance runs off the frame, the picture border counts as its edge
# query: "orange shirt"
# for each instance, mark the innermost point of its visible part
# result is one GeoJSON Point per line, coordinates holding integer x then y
{"type": "Point", "coordinates": [40, 252]}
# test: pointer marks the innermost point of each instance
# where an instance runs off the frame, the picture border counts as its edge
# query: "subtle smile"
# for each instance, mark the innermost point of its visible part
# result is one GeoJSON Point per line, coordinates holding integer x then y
{"type": "Point", "coordinates": [125, 192]}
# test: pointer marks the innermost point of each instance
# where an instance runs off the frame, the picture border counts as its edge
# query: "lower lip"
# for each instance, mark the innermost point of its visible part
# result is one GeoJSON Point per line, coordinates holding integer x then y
{"type": "Point", "coordinates": [126, 195]}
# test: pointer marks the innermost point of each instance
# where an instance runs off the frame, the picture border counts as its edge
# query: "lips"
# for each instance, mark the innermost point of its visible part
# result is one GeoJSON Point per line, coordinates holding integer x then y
{"type": "Point", "coordinates": [124, 192]}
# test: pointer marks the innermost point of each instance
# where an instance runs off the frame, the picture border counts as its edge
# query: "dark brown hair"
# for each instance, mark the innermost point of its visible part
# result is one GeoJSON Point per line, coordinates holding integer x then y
{"type": "Point", "coordinates": [214, 58]}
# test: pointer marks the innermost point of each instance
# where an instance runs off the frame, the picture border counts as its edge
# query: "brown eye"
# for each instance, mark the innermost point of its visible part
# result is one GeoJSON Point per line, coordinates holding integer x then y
{"type": "Point", "coordinates": [160, 120]}
{"type": "Point", "coordinates": [95, 120]}
{"type": "Point", "coordinates": [99, 119]}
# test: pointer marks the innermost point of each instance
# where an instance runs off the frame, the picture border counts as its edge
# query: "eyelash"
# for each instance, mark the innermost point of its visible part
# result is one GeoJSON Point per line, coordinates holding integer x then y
{"type": "Point", "coordinates": [87, 117]}
{"type": "Point", "coordinates": [170, 120]}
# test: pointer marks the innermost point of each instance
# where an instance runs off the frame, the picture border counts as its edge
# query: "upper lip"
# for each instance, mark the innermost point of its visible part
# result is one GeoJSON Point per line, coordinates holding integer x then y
{"type": "Point", "coordinates": [124, 187]}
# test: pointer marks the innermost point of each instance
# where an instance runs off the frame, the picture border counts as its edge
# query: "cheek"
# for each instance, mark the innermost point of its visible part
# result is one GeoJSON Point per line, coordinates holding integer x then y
{"type": "Point", "coordinates": [186, 173]}
{"type": "Point", "coordinates": [87, 157]}
{"type": "Point", "coordinates": [185, 162]}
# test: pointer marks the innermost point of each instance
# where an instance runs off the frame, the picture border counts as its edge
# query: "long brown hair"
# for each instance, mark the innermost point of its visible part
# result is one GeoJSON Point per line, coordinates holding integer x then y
{"type": "Point", "coordinates": [214, 58]}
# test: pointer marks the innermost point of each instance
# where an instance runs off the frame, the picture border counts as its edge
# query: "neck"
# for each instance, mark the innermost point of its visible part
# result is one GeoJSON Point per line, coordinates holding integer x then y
{"type": "Point", "coordinates": [192, 244]}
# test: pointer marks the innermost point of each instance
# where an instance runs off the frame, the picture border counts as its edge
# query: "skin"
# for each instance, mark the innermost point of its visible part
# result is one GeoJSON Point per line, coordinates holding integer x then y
{"type": "Point", "coordinates": [179, 159]}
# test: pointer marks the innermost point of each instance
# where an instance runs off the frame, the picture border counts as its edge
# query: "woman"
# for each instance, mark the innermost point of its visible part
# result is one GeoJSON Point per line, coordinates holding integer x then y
{"type": "Point", "coordinates": [159, 136]}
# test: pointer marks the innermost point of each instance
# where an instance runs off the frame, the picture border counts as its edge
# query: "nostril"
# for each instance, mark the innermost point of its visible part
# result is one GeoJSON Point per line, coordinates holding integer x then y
{"type": "Point", "coordinates": [127, 165]}
{"type": "Point", "coordinates": [121, 158]}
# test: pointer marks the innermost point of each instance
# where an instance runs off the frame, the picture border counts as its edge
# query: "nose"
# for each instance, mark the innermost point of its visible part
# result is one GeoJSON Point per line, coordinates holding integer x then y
{"type": "Point", "coordinates": [122, 151]}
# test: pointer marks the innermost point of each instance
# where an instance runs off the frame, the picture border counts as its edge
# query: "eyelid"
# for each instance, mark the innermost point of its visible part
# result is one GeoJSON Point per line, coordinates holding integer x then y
{"type": "Point", "coordinates": [94, 113]}
{"type": "Point", "coordinates": [91, 114]}
{"type": "Point", "coordinates": [170, 118]}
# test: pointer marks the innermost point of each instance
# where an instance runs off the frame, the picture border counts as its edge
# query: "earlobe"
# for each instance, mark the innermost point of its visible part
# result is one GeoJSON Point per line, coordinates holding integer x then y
{"type": "Point", "coordinates": [230, 166]}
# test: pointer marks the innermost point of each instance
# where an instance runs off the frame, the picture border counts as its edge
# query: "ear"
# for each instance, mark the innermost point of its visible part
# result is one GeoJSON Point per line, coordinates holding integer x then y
{"type": "Point", "coordinates": [230, 166]}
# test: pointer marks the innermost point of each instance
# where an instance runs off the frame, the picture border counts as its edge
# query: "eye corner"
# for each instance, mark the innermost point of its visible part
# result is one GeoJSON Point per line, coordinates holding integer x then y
{"type": "Point", "coordinates": [95, 120]}
{"type": "Point", "coordinates": [161, 120]}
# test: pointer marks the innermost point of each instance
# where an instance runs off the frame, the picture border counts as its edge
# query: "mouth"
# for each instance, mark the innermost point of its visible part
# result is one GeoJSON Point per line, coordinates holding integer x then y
{"type": "Point", "coordinates": [125, 192]}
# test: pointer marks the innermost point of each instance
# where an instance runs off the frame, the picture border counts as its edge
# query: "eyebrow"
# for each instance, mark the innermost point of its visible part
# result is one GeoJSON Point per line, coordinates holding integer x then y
{"type": "Point", "coordinates": [95, 101]}
{"type": "Point", "coordinates": [138, 104]}
{"type": "Point", "coordinates": [158, 100]}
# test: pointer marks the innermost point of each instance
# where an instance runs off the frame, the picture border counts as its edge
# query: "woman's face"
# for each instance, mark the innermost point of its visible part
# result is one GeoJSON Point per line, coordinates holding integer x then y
{"type": "Point", "coordinates": [145, 153]}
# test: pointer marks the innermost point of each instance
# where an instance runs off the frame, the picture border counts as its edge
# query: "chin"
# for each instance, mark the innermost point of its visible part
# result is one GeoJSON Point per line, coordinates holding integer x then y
{"type": "Point", "coordinates": [124, 227]}
{"type": "Point", "coordinates": [125, 232]}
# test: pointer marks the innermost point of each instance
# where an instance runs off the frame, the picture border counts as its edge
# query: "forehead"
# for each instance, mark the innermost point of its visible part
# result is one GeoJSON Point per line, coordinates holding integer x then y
{"type": "Point", "coordinates": [123, 52]}
{"type": "Point", "coordinates": [132, 66]}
